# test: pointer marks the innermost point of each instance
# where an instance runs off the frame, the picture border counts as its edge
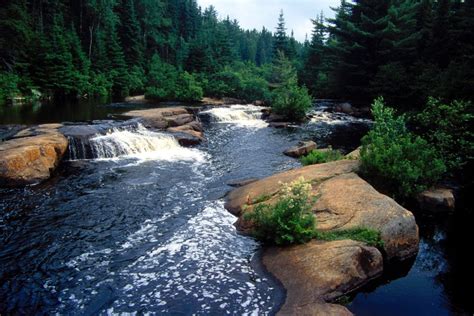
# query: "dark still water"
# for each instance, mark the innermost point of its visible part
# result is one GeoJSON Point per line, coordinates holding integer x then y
{"type": "Point", "coordinates": [142, 229]}
{"type": "Point", "coordinates": [71, 111]}
{"type": "Point", "coordinates": [438, 282]}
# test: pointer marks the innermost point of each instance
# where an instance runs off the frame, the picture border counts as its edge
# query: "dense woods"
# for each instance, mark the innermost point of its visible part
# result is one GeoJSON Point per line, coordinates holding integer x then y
{"type": "Point", "coordinates": [405, 50]}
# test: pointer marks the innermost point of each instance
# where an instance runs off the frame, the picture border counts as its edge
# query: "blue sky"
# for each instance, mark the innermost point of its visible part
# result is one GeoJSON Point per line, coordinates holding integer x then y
{"type": "Point", "coordinates": [257, 13]}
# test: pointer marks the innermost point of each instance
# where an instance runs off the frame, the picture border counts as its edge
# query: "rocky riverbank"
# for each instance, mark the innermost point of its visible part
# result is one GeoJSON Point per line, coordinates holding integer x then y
{"type": "Point", "coordinates": [31, 154]}
{"type": "Point", "coordinates": [318, 272]}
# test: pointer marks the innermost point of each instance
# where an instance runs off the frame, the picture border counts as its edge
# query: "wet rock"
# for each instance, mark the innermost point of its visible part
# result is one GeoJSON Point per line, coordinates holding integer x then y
{"type": "Point", "coordinates": [279, 124]}
{"type": "Point", "coordinates": [437, 200]}
{"type": "Point", "coordinates": [189, 134]}
{"type": "Point", "coordinates": [32, 156]}
{"type": "Point", "coordinates": [347, 201]}
{"type": "Point", "coordinates": [241, 182]}
{"type": "Point", "coordinates": [276, 118]}
{"type": "Point", "coordinates": [178, 120]}
{"type": "Point", "coordinates": [302, 149]}
{"type": "Point", "coordinates": [259, 103]}
{"type": "Point", "coordinates": [8, 131]}
{"type": "Point", "coordinates": [317, 272]}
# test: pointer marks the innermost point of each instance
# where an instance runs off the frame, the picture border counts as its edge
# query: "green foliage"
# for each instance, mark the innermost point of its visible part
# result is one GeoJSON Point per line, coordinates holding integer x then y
{"type": "Point", "coordinates": [369, 236]}
{"type": "Point", "coordinates": [8, 86]}
{"type": "Point", "coordinates": [288, 99]}
{"type": "Point", "coordinates": [165, 82]}
{"type": "Point", "coordinates": [240, 80]}
{"type": "Point", "coordinates": [321, 156]}
{"type": "Point", "coordinates": [406, 163]}
{"type": "Point", "coordinates": [290, 220]}
{"type": "Point", "coordinates": [188, 89]}
{"type": "Point", "coordinates": [448, 127]}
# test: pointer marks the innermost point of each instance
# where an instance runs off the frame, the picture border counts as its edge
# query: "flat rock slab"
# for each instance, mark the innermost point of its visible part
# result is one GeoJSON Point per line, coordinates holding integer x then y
{"type": "Point", "coordinates": [303, 148]}
{"type": "Point", "coordinates": [271, 185]}
{"type": "Point", "coordinates": [160, 118]}
{"type": "Point", "coordinates": [317, 272]}
{"type": "Point", "coordinates": [32, 155]}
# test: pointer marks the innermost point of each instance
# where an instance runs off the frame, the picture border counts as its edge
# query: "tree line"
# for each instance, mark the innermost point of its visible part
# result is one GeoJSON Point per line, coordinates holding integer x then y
{"type": "Point", "coordinates": [404, 50]}
{"type": "Point", "coordinates": [67, 48]}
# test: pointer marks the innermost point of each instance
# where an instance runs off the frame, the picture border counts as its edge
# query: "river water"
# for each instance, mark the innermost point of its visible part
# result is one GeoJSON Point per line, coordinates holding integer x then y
{"type": "Point", "coordinates": [139, 227]}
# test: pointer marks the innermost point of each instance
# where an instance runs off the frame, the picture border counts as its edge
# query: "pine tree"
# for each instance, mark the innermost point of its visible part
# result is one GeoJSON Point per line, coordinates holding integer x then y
{"type": "Point", "coordinates": [280, 43]}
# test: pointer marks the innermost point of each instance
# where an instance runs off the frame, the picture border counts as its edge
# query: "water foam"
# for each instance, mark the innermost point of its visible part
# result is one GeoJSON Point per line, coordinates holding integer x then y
{"type": "Point", "coordinates": [241, 115]}
{"type": "Point", "coordinates": [142, 144]}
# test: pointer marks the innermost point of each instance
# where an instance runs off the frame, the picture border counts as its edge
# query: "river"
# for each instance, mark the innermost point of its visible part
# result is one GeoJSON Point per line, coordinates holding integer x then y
{"type": "Point", "coordinates": [140, 227]}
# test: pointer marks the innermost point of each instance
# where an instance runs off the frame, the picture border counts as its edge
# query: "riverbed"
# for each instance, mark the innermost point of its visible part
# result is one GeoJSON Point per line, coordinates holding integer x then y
{"type": "Point", "coordinates": [141, 228]}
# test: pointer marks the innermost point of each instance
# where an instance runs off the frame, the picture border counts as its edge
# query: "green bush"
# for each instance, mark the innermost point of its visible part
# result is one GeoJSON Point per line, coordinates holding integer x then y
{"type": "Point", "coordinates": [319, 156]}
{"type": "Point", "coordinates": [290, 220]}
{"type": "Point", "coordinates": [406, 163]}
{"type": "Point", "coordinates": [448, 127]}
{"type": "Point", "coordinates": [288, 99]}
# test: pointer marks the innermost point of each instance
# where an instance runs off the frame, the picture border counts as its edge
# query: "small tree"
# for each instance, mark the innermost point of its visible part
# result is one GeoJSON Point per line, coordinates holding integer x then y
{"type": "Point", "coordinates": [288, 99]}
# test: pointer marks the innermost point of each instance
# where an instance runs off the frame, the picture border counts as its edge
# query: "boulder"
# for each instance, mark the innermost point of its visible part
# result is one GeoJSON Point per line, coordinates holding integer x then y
{"type": "Point", "coordinates": [344, 201]}
{"type": "Point", "coordinates": [189, 134]}
{"type": "Point", "coordinates": [344, 108]}
{"type": "Point", "coordinates": [318, 272]}
{"type": "Point", "coordinates": [32, 156]}
{"type": "Point", "coordinates": [279, 124]}
{"type": "Point", "coordinates": [302, 149]}
{"type": "Point", "coordinates": [437, 200]}
{"type": "Point", "coordinates": [178, 120]}
{"type": "Point", "coordinates": [355, 154]}
{"type": "Point", "coordinates": [347, 201]}
{"type": "Point", "coordinates": [270, 186]}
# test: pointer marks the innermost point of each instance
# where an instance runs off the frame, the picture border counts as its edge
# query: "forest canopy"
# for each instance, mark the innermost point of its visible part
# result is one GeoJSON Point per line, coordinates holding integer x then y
{"type": "Point", "coordinates": [403, 50]}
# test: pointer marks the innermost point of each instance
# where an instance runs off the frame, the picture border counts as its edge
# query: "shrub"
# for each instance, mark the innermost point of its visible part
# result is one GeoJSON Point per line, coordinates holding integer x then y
{"type": "Point", "coordinates": [290, 220]}
{"type": "Point", "coordinates": [406, 163]}
{"type": "Point", "coordinates": [319, 156]}
{"type": "Point", "coordinates": [448, 127]}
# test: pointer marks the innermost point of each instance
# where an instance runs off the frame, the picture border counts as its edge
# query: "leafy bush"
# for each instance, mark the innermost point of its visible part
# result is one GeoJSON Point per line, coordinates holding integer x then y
{"type": "Point", "coordinates": [288, 99]}
{"type": "Point", "coordinates": [448, 127]}
{"type": "Point", "coordinates": [320, 156]}
{"type": "Point", "coordinates": [406, 163]}
{"type": "Point", "coordinates": [290, 220]}
{"type": "Point", "coordinates": [369, 236]}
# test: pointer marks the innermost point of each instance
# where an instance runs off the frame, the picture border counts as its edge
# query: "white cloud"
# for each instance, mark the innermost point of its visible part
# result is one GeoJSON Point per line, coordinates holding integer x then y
{"type": "Point", "coordinates": [256, 14]}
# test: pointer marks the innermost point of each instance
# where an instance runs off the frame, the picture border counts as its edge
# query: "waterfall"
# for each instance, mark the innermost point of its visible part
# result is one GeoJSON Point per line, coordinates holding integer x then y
{"type": "Point", "coordinates": [243, 115]}
{"type": "Point", "coordinates": [133, 142]}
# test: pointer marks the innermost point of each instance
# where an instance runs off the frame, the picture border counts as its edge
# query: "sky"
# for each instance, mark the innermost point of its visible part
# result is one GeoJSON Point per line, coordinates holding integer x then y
{"type": "Point", "coordinates": [258, 13]}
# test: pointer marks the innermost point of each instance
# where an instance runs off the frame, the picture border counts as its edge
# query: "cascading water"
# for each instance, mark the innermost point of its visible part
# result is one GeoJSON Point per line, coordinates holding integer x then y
{"type": "Point", "coordinates": [131, 142]}
{"type": "Point", "coordinates": [243, 115]}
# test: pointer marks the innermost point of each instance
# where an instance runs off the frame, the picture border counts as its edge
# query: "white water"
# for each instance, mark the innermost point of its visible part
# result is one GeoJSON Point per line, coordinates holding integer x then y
{"type": "Point", "coordinates": [319, 115]}
{"type": "Point", "coordinates": [242, 115]}
{"type": "Point", "coordinates": [143, 144]}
